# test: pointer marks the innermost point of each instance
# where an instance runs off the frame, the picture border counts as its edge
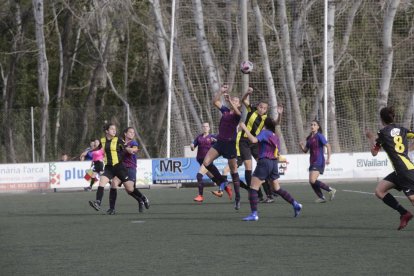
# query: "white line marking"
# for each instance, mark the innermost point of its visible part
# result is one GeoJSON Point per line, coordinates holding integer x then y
{"type": "Point", "coordinates": [137, 221]}
{"type": "Point", "coordinates": [368, 193]}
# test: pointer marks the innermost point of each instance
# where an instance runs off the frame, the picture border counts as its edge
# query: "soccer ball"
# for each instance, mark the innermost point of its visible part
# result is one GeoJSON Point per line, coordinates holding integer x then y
{"type": "Point", "coordinates": [246, 67]}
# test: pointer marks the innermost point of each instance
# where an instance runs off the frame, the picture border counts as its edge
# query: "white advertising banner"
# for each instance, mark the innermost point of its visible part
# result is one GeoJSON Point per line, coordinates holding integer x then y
{"type": "Point", "coordinates": [144, 172]}
{"type": "Point", "coordinates": [367, 166]}
{"type": "Point", "coordinates": [30, 176]}
{"type": "Point", "coordinates": [68, 174]}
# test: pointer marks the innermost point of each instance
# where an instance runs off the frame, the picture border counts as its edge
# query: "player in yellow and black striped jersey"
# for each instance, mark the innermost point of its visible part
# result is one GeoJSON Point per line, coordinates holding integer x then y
{"type": "Point", "coordinates": [394, 140]}
{"type": "Point", "coordinates": [245, 149]}
{"type": "Point", "coordinates": [114, 168]}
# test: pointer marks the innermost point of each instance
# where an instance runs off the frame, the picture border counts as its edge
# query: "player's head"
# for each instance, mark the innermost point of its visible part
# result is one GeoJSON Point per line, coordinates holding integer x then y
{"type": "Point", "coordinates": [262, 108]}
{"type": "Point", "coordinates": [129, 133]}
{"type": "Point", "coordinates": [235, 101]}
{"type": "Point", "coordinates": [206, 127]}
{"type": "Point", "coordinates": [270, 124]}
{"type": "Point", "coordinates": [387, 115]}
{"type": "Point", "coordinates": [316, 126]}
{"type": "Point", "coordinates": [110, 129]}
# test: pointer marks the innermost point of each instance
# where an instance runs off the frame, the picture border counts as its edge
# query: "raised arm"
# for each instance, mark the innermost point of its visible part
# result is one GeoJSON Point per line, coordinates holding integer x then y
{"type": "Point", "coordinates": [249, 135]}
{"type": "Point", "coordinates": [279, 114]}
{"type": "Point", "coordinates": [245, 99]}
{"type": "Point", "coordinates": [234, 103]}
{"type": "Point", "coordinates": [217, 97]}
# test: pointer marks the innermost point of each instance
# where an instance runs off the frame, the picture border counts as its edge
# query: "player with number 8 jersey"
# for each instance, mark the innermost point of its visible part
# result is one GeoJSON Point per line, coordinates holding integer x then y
{"type": "Point", "coordinates": [394, 140]}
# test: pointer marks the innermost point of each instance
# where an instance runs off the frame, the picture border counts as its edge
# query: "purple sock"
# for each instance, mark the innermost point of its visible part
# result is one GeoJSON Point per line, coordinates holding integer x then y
{"type": "Point", "coordinates": [322, 185]}
{"type": "Point", "coordinates": [253, 198]}
{"type": "Point", "coordinates": [200, 183]}
{"type": "Point", "coordinates": [317, 190]}
{"type": "Point", "coordinates": [285, 195]}
{"type": "Point", "coordinates": [236, 184]}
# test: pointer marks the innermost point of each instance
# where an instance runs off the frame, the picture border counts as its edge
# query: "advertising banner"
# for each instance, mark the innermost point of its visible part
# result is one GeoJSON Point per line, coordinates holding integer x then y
{"type": "Point", "coordinates": [367, 166]}
{"type": "Point", "coordinates": [144, 172]}
{"type": "Point", "coordinates": [68, 174]}
{"type": "Point", "coordinates": [30, 176]}
{"type": "Point", "coordinates": [184, 170]}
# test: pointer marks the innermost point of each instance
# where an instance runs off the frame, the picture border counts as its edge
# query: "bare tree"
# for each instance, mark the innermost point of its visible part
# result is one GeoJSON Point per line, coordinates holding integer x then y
{"type": "Point", "coordinates": [287, 66]}
{"type": "Point", "coordinates": [388, 52]}
{"type": "Point", "coordinates": [43, 73]}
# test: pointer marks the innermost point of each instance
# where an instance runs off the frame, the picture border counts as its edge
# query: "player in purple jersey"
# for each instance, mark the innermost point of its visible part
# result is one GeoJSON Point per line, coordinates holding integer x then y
{"type": "Point", "coordinates": [315, 144]}
{"type": "Point", "coordinates": [267, 167]}
{"type": "Point", "coordinates": [226, 143]}
{"type": "Point", "coordinates": [129, 161]}
{"type": "Point", "coordinates": [203, 143]}
{"type": "Point", "coordinates": [394, 140]}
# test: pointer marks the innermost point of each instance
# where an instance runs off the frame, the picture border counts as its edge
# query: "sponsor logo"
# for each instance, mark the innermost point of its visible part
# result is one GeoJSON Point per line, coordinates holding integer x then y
{"type": "Point", "coordinates": [372, 163]}
{"type": "Point", "coordinates": [395, 132]}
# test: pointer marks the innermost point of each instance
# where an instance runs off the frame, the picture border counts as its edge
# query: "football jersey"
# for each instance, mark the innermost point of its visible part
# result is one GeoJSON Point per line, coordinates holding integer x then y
{"type": "Point", "coordinates": [203, 143]}
{"type": "Point", "coordinates": [315, 145]}
{"type": "Point", "coordinates": [393, 139]}
{"type": "Point", "coordinates": [228, 125]}
{"type": "Point", "coordinates": [268, 144]}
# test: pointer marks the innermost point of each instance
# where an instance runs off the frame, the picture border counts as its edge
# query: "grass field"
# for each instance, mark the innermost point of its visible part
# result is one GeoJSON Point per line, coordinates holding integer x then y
{"type": "Point", "coordinates": [58, 233]}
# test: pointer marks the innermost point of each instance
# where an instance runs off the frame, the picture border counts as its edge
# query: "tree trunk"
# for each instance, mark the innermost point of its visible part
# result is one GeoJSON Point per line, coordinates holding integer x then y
{"type": "Point", "coordinates": [332, 121]}
{"type": "Point", "coordinates": [43, 74]}
{"type": "Point", "coordinates": [287, 66]}
{"type": "Point", "coordinates": [177, 121]}
{"type": "Point", "coordinates": [267, 72]}
{"type": "Point", "coordinates": [386, 67]}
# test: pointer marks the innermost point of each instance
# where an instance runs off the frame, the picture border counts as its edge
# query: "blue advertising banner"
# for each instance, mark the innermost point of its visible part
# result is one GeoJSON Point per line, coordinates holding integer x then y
{"type": "Point", "coordinates": [183, 170]}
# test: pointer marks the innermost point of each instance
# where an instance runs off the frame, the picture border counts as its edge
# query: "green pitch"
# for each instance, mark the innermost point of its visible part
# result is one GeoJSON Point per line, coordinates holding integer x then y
{"type": "Point", "coordinates": [58, 233]}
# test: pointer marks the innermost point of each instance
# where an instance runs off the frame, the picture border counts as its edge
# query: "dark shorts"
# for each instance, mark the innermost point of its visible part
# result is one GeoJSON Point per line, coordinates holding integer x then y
{"type": "Point", "coordinates": [98, 167]}
{"type": "Point", "coordinates": [403, 181]}
{"type": "Point", "coordinates": [316, 168]}
{"type": "Point", "coordinates": [132, 174]}
{"type": "Point", "coordinates": [267, 169]}
{"type": "Point", "coordinates": [200, 161]}
{"type": "Point", "coordinates": [227, 149]}
{"type": "Point", "coordinates": [248, 149]}
{"type": "Point", "coordinates": [118, 170]}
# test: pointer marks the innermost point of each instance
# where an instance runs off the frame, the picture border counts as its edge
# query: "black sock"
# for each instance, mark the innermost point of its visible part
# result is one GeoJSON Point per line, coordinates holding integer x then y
{"type": "Point", "coordinates": [244, 185]}
{"type": "Point", "coordinates": [248, 177]}
{"type": "Point", "coordinates": [138, 193]}
{"type": "Point", "coordinates": [390, 200]}
{"type": "Point", "coordinates": [266, 188]}
{"type": "Point", "coordinates": [99, 194]}
{"type": "Point", "coordinates": [215, 172]}
{"type": "Point", "coordinates": [113, 192]}
{"type": "Point", "coordinates": [92, 181]}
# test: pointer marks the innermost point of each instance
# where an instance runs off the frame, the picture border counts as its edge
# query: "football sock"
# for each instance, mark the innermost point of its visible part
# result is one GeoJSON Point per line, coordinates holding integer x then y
{"type": "Point", "coordinates": [113, 192]}
{"type": "Point", "coordinates": [200, 183]}
{"type": "Point", "coordinates": [236, 184]}
{"type": "Point", "coordinates": [248, 176]}
{"type": "Point", "coordinates": [317, 190]}
{"type": "Point", "coordinates": [322, 185]}
{"type": "Point", "coordinates": [244, 185]}
{"type": "Point", "coordinates": [390, 200]}
{"type": "Point", "coordinates": [99, 194]}
{"type": "Point", "coordinates": [215, 172]}
{"type": "Point", "coordinates": [285, 195]}
{"type": "Point", "coordinates": [137, 193]}
{"type": "Point", "coordinates": [253, 199]}
{"type": "Point", "coordinates": [92, 182]}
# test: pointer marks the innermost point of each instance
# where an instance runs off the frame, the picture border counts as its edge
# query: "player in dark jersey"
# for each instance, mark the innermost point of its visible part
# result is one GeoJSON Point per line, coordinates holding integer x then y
{"type": "Point", "coordinates": [245, 148]}
{"type": "Point", "coordinates": [203, 143]}
{"type": "Point", "coordinates": [315, 144]}
{"type": "Point", "coordinates": [267, 167]}
{"type": "Point", "coordinates": [113, 147]}
{"type": "Point", "coordinates": [394, 140]}
{"type": "Point", "coordinates": [226, 143]}
{"type": "Point", "coordinates": [129, 160]}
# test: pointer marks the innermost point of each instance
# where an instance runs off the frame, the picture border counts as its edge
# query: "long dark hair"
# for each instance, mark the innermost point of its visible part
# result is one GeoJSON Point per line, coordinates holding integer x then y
{"type": "Point", "coordinates": [270, 124]}
{"type": "Point", "coordinates": [319, 129]}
